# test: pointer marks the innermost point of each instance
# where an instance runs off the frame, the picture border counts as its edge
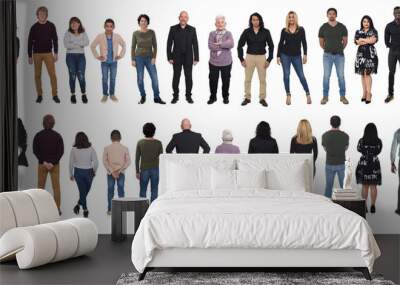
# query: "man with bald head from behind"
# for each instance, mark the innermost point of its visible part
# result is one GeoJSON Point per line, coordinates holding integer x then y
{"type": "Point", "coordinates": [187, 141]}
{"type": "Point", "coordinates": [182, 51]}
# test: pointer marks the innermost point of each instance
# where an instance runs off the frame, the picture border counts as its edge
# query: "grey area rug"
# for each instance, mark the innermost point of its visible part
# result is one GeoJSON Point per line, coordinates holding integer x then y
{"type": "Point", "coordinates": [244, 278]}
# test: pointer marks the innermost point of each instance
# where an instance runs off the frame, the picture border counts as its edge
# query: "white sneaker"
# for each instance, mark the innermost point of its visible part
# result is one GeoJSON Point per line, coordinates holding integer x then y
{"type": "Point", "coordinates": [104, 99]}
{"type": "Point", "coordinates": [113, 98]}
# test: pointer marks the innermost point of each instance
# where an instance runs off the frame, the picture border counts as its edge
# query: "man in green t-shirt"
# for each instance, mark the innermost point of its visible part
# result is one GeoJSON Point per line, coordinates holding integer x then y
{"type": "Point", "coordinates": [333, 39]}
{"type": "Point", "coordinates": [335, 143]}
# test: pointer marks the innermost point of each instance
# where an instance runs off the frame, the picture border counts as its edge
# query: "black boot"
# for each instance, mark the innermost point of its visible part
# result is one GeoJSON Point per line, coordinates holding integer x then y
{"type": "Point", "coordinates": [76, 209]}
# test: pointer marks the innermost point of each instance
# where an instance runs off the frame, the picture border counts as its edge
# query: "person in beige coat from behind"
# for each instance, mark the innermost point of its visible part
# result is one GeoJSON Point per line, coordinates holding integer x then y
{"type": "Point", "coordinates": [112, 48]}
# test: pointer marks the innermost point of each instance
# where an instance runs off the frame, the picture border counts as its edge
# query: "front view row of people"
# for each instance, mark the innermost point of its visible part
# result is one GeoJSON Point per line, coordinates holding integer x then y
{"type": "Point", "coordinates": [183, 53]}
{"type": "Point", "coordinates": [48, 147]}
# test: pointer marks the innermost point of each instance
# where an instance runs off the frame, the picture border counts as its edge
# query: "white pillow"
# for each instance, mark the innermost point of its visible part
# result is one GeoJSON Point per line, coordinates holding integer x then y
{"type": "Point", "coordinates": [223, 179]}
{"type": "Point", "coordinates": [251, 179]}
{"type": "Point", "coordinates": [183, 177]}
{"type": "Point", "coordinates": [287, 177]}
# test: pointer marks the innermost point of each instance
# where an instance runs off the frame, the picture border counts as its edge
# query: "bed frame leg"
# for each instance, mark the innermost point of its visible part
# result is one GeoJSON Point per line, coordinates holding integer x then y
{"type": "Point", "coordinates": [143, 274]}
{"type": "Point", "coordinates": [365, 272]}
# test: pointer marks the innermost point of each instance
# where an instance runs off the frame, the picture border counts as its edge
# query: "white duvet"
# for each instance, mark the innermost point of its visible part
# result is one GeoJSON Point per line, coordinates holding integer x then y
{"type": "Point", "coordinates": [250, 219]}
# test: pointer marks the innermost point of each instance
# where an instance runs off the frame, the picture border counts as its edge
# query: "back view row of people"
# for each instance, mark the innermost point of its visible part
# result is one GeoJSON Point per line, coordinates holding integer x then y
{"type": "Point", "coordinates": [48, 147]}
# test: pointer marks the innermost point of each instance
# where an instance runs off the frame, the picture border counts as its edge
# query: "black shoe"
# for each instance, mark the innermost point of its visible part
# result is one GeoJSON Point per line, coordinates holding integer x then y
{"type": "Point", "coordinates": [367, 102]}
{"type": "Point", "coordinates": [142, 100]}
{"type": "Point", "coordinates": [389, 98]}
{"type": "Point", "coordinates": [373, 210]}
{"type": "Point", "coordinates": [56, 99]}
{"type": "Point", "coordinates": [397, 211]}
{"type": "Point", "coordinates": [263, 103]}
{"type": "Point", "coordinates": [76, 209]}
{"type": "Point", "coordinates": [189, 100]}
{"type": "Point", "coordinates": [59, 213]}
{"type": "Point", "coordinates": [211, 100]}
{"type": "Point", "coordinates": [159, 101]}
{"type": "Point", "coordinates": [226, 101]}
{"type": "Point", "coordinates": [85, 213]}
{"type": "Point", "coordinates": [363, 99]}
{"type": "Point", "coordinates": [245, 102]}
{"type": "Point", "coordinates": [174, 100]}
{"type": "Point", "coordinates": [73, 99]}
{"type": "Point", "coordinates": [39, 99]}
{"type": "Point", "coordinates": [84, 99]}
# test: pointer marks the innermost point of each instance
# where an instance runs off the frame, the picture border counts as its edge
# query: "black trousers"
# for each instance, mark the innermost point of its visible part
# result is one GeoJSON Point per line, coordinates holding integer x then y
{"type": "Point", "coordinates": [225, 77]}
{"type": "Point", "coordinates": [187, 64]}
{"type": "Point", "coordinates": [393, 58]}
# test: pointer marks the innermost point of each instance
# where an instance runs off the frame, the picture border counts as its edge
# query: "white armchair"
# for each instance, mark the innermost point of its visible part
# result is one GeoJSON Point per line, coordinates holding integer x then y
{"type": "Point", "coordinates": [31, 232]}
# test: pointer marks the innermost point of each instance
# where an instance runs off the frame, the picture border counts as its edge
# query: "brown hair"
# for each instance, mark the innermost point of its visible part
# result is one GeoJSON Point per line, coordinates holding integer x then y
{"type": "Point", "coordinates": [81, 29]}
{"type": "Point", "coordinates": [48, 122]}
{"type": "Point", "coordinates": [42, 9]}
{"type": "Point", "coordinates": [82, 141]}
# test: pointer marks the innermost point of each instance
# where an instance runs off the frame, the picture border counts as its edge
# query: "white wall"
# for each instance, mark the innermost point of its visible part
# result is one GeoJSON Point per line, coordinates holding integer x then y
{"type": "Point", "coordinates": [98, 119]}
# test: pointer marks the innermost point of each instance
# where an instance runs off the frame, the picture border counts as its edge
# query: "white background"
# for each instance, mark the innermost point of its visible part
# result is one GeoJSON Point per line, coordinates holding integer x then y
{"type": "Point", "coordinates": [98, 119]}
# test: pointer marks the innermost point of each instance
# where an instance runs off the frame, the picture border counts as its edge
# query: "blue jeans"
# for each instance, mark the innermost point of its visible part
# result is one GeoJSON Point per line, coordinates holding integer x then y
{"type": "Point", "coordinates": [83, 178]}
{"type": "Point", "coordinates": [141, 63]}
{"type": "Point", "coordinates": [297, 63]}
{"type": "Point", "coordinates": [111, 187]}
{"type": "Point", "coordinates": [145, 176]}
{"type": "Point", "coordinates": [330, 172]}
{"type": "Point", "coordinates": [338, 60]}
{"type": "Point", "coordinates": [109, 68]}
{"type": "Point", "coordinates": [76, 63]}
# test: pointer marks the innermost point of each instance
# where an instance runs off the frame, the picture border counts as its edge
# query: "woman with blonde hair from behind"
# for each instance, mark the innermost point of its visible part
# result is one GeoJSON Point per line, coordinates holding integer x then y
{"type": "Point", "coordinates": [293, 37]}
{"type": "Point", "coordinates": [304, 141]}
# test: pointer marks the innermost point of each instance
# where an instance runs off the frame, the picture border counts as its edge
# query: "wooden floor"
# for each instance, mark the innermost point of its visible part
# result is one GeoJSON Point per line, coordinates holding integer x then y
{"type": "Point", "coordinates": [110, 260]}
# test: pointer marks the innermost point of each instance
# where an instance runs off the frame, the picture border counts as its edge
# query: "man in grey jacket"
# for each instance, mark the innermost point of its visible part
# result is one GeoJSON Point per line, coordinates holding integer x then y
{"type": "Point", "coordinates": [393, 151]}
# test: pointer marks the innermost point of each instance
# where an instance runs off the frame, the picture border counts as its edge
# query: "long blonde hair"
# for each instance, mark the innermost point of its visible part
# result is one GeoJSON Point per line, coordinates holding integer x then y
{"type": "Point", "coordinates": [304, 132]}
{"type": "Point", "coordinates": [296, 20]}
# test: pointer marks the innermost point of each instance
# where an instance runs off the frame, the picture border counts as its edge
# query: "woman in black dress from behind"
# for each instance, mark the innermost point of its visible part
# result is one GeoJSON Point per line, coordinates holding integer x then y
{"type": "Point", "coordinates": [263, 142]}
{"type": "Point", "coordinates": [304, 141]}
{"type": "Point", "coordinates": [368, 172]}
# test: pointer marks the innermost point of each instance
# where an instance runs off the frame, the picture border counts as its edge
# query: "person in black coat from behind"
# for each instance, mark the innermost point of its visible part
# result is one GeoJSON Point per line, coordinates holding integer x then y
{"type": "Point", "coordinates": [187, 141]}
{"type": "Point", "coordinates": [182, 51]}
{"type": "Point", "coordinates": [263, 142]}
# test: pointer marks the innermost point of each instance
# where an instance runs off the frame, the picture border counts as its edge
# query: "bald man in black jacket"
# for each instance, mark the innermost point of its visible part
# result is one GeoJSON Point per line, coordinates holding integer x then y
{"type": "Point", "coordinates": [187, 141]}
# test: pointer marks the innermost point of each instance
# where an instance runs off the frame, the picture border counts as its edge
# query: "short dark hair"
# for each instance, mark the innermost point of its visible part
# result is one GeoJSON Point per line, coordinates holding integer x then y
{"type": "Point", "coordinates": [115, 135]}
{"type": "Point", "coordinates": [396, 8]}
{"type": "Point", "coordinates": [81, 29]}
{"type": "Point", "coordinates": [82, 141]}
{"type": "Point", "coordinates": [149, 129]}
{"type": "Point", "coordinates": [335, 121]}
{"type": "Point", "coordinates": [260, 18]}
{"type": "Point", "coordinates": [331, 9]}
{"type": "Point", "coordinates": [109, 21]}
{"type": "Point", "coordinates": [143, 16]}
{"type": "Point", "coordinates": [48, 122]}
{"type": "Point", "coordinates": [263, 130]}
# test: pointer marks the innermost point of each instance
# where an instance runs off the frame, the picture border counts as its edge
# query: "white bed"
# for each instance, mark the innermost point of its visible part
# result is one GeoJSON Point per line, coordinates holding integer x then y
{"type": "Point", "coordinates": [247, 211]}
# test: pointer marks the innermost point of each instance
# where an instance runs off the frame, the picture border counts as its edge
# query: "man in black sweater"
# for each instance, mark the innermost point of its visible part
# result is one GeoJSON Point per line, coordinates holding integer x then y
{"type": "Point", "coordinates": [392, 41]}
{"type": "Point", "coordinates": [187, 141]}
{"type": "Point", "coordinates": [182, 51]}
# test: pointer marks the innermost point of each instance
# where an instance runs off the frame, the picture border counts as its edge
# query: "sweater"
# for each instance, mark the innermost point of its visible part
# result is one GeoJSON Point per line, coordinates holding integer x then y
{"type": "Point", "coordinates": [75, 43]}
{"type": "Point", "coordinates": [42, 38]}
{"type": "Point", "coordinates": [116, 157]}
{"type": "Point", "coordinates": [220, 55]}
{"type": "Point", "coordinates": [101, 41]}
{"type": "Point", "coordinates": [48, 146]}
{"type": "Point", "coordinates": [290, 43]}
{"type": "Point", "coordinates": [147, 154]}
{"type": "Point", "coordinates": [83, 158]}
{"type": "Point", "coordinates": [144, 44]}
